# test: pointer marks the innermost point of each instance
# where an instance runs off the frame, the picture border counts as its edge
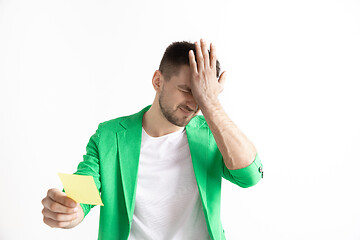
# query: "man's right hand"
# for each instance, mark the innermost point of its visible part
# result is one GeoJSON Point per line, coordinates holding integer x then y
{"type": "Point", "coordinates": [60, 211]}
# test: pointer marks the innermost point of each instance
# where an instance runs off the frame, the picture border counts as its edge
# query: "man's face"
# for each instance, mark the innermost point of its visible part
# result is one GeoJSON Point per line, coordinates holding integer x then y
{"type": "Point", "coordinates": [175, 99]}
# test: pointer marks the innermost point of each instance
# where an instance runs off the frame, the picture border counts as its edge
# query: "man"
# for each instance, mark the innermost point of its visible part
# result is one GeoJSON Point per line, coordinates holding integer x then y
{"type": "Point", "coordinates": [159, 171]}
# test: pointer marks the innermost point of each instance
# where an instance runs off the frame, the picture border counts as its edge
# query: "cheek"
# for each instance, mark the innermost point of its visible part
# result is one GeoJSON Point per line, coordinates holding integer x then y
{"type": "Point", "coordinates": [171, 99]}
{"type": "Point", "coordinates": [180, 99]}
{"type": "Point", "coordinates": [175, 96]}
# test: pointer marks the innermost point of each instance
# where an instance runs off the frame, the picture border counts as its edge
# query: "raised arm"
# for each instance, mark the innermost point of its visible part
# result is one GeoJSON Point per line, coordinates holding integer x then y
{"type": "Point", "coordinates": [237, 150]}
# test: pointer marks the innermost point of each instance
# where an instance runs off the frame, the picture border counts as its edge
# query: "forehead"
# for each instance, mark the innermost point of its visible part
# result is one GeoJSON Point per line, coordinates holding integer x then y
{"type": "Point", "coordinates": [183, 76]}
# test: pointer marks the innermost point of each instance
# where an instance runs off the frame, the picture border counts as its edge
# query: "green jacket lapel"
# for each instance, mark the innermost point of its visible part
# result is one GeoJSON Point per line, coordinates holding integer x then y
{"type": "Point", "coordinates": [198, 138]}
{"type": "Point", "coordinates": [129, 145]}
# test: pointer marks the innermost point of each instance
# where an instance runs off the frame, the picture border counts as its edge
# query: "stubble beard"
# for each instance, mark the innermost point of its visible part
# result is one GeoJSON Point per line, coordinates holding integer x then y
{"type": "Point", "coordinates": [170, 114]}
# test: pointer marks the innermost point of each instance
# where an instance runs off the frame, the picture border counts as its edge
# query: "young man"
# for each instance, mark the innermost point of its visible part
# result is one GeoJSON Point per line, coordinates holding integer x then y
{"type": "Point", "coordinates": [159, 171]}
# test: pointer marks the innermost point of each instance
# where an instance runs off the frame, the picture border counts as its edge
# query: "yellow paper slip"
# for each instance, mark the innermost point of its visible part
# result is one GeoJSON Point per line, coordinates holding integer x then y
{"type": "Point", "coordinates": [81, 188]}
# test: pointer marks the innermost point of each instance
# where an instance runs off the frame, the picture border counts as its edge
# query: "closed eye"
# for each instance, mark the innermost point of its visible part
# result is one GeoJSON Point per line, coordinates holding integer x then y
{"type": "Point", "coordinates": [184, 88]}
{"type": "Point", "coordinates": [185, 91]}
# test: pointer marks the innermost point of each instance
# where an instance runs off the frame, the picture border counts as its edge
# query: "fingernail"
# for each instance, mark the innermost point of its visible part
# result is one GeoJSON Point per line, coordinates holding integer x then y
{"type": "Point", "coordinates": [75, 209]}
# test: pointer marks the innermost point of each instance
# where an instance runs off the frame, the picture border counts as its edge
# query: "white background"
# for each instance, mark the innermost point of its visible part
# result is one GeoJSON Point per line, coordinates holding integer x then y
{"type": "Point", "coordinates": [292, 88]}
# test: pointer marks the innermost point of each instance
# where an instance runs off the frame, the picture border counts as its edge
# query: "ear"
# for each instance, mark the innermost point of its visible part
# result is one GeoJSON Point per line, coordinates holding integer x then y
{"type": "Point", "coordinates": [157, 80]}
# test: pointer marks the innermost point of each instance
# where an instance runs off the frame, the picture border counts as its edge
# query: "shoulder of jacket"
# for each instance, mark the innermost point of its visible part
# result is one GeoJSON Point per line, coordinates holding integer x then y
{"type": "Point", "coordinates": [115, 123]}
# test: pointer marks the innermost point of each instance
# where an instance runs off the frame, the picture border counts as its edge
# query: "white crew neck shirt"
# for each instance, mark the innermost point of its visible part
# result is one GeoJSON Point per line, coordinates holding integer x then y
{"type": "Point", "coordinates": [167, 202]}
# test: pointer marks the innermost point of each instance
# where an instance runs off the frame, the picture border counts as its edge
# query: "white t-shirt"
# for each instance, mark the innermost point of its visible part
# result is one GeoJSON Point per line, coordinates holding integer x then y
{"type": "Point", "coordinates": [167, 203]}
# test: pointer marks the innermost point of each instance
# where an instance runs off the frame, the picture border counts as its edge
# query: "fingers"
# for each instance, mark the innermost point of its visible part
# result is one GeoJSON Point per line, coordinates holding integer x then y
{"type": "Point", "coordinates": [56, 224]}
{"type": "Point", "coordinates": [199, 57]}
{"type": "Point", "coordinates": [57, 207]}
{"type": "Point", "coordinates": [59, 217]}
{"type": "Point", "coordinates": [212, 56]}
{"type": "Point", "coordinates": [59, 210]}
{"type": "Point", "coordinates": [193, 66]}
{"type": "Point", "coordinates": [61, 198]}
{"type": "Point", "coordinates": [202, 55]}
{"type": "Point", "coordinates": [57, 201]}
{"type": "Point", "coordinates": [205, 53]}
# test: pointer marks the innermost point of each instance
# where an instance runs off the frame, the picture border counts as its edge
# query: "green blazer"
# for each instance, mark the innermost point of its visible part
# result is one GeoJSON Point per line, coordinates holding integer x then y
{"type": "Point", "coordinates": [112, 158]}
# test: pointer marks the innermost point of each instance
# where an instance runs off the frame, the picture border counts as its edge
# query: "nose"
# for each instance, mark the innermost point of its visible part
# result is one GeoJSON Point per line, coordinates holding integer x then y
{"type": "Point", "coordinates": [191, 103]}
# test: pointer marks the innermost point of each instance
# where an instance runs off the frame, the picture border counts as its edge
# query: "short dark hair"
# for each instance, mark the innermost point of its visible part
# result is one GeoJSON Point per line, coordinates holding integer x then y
{"type": "Point", "coordinates": [177, 55]}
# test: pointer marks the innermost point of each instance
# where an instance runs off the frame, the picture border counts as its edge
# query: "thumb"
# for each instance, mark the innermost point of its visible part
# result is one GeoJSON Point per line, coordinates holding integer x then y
{"type": "Point", "coordinates": [61, 197]}
{"type": "Point", "coordinates": [222, 80]}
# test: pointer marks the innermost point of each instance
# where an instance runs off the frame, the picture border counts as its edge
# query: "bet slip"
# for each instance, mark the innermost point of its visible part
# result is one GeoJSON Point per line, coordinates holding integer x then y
{"type": "Point", "coordinates": [81, 188]}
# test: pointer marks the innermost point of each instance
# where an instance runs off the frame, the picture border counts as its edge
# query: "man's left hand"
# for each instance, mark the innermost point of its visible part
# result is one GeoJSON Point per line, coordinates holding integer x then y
{"type": "Point", "coordinates": [205, 86]}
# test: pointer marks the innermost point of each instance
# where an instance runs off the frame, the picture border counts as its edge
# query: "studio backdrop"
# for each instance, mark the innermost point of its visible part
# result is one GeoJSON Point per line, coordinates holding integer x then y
{"type": "Point", "coordinates": [292, 87]}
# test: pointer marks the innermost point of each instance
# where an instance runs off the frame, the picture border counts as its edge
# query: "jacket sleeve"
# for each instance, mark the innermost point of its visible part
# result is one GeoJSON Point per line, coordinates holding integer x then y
{"type": "Point", "coordinates": [247, 176]}
{"type": "Point", "coordinates": [90, 165]}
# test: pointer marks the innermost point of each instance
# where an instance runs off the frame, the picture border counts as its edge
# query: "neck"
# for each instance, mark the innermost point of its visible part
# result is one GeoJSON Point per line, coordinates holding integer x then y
{"type": "Point", "coordinates": [155, 124]}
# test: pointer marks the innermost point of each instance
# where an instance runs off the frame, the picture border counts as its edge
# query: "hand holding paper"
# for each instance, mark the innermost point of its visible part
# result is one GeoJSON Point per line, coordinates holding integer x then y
{"type": "Point", "coordinates": [81, 188]}
{"type": "Point", "coordinates": [63, 210]}
{"type": "Point", "coordinates": [60, 211]}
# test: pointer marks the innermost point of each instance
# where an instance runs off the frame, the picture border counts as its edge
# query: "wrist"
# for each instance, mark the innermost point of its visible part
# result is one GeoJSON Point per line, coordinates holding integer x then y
{"type": "Point", "coordinates": [210, 106]}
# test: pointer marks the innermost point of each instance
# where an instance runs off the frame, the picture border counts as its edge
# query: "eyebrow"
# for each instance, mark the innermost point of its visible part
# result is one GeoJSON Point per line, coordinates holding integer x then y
{"type": "Point", "coordinates": [185, 87]}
